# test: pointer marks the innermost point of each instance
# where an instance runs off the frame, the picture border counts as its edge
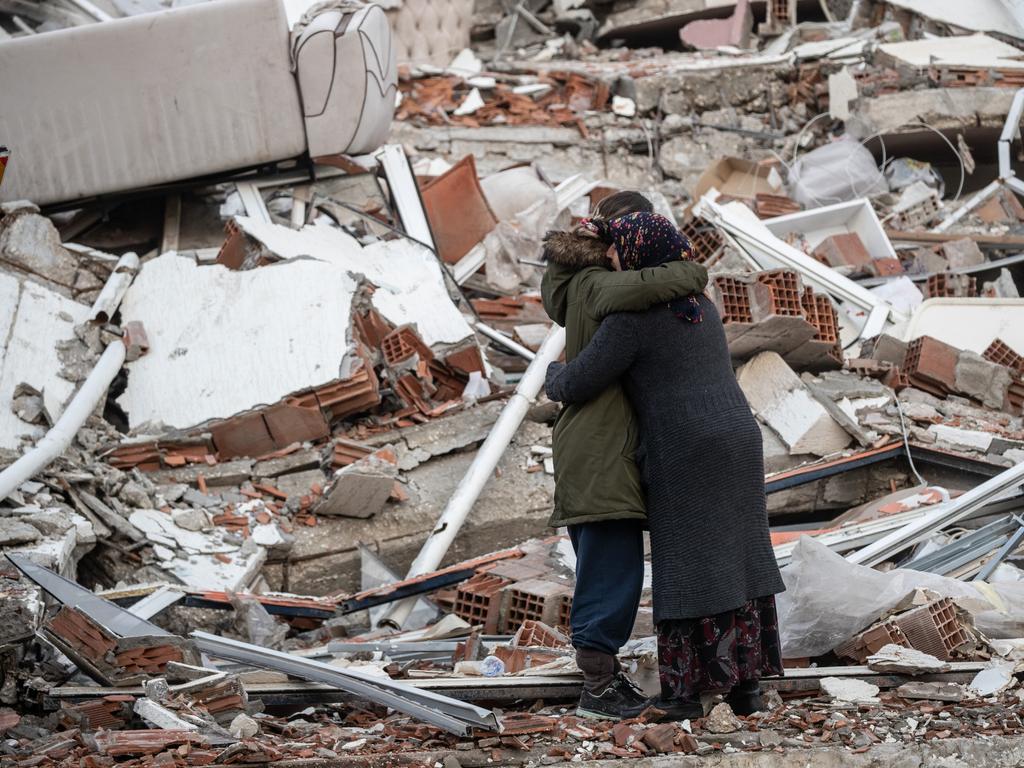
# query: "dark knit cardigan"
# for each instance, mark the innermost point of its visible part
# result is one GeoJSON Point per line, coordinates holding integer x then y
{"type": "Point", "coordinates": [700, 456]}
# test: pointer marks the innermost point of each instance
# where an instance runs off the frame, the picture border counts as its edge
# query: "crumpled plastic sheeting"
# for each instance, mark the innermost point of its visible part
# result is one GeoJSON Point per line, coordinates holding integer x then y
{"type": "Point", "coordinates": [840, 171]}
{"type": "Point", "coordinates": [521, 238]}
{"type": "Point", "coordinates": [828, 600]}
{"type": "Point", "coordinates": [253, 621]}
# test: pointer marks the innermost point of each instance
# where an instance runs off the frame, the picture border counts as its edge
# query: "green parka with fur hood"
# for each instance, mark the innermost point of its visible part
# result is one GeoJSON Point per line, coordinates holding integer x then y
{"type": "Point", "coordinates": [594, 443]}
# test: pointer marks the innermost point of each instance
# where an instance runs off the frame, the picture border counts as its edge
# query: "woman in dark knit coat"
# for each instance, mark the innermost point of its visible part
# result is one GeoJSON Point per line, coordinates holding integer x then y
{"type": "Point", "coordinates": [714, 571]}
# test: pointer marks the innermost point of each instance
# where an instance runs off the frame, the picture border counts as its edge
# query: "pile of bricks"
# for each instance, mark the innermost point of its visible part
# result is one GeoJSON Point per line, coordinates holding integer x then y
{"type": "Point", "coordinates": [941, 369]}
{"type": "Point", "coordinates": [930, 365]}
{"type": "Point", "coordinates": [871, 641]}
{"type": "Point", "coordinates": [503, 595]}
{"type": "Point", "coordinates": [1000, 353]}
{"type": "Point", "coordinates": [534, 644]}
{"type": "Point", "coordinates": [109, 712]}
{"type": "Point", "coordinates": [395, 375]}
{"type": "Point", "coordinates": [477, 601]}
{"type": "Point", "coordinates": [772, 311]}
{"type": "Point", "coordinates": [950, 76]}
{"type": "Point", "coordinates": [109, 658]}
{"type": "Point", "coordinates": [936, 628]}
{"type": "Point", "coordinates": [708, 243]}
{"type": "Point", "coordinates": [944, 284]}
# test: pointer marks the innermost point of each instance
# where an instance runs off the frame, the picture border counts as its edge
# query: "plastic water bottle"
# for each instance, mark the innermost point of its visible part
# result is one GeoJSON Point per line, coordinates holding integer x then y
{"type": "Point", "coordinates": [492, 666]}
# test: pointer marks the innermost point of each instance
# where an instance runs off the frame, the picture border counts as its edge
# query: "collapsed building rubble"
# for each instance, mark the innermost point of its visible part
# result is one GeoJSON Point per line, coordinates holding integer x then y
{"type": "Point", "coordinates": [278, 402]}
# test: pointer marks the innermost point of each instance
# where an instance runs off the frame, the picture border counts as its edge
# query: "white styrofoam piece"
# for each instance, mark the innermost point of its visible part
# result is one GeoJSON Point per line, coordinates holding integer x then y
{"type": "Point", "coordinates": [970, 324]}
{"type": "Point", "coordinates": [818, 223]}
{"type": "Point", "coordinates": [978, 50]}
{"type": "Point", "coordinates": [225, 341]}
{"type": "Point", "coordinates": [41, 319]}
{"type": "Point", "coordinates": [411, 286]}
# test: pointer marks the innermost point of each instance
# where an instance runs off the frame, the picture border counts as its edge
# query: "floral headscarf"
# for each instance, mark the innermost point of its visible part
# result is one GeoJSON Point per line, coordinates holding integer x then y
{"type": "Point", "coordinates": [648, 240]}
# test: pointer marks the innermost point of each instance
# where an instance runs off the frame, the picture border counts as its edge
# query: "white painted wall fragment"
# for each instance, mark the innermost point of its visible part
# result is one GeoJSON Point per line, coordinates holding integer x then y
{"type": "Point", "coordinates": [781, 400]}
{"type": "Point", "coordinates": [33, 319]}
{"type": "Point", "coordinates": [223, 342]}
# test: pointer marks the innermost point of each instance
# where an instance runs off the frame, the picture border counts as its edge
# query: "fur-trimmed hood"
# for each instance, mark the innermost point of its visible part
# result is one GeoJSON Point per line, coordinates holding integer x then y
{"type": "Point", "coordinates": [575, 251]}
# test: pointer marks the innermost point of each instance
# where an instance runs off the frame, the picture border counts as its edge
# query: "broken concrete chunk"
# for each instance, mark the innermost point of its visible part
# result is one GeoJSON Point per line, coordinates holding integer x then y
{"type": "Point", "coordinates": [49, 522]}
{"type": "Point", "coordinates": [850, 689]}
{"type": "Point", "coordinates": [982, 380]}
{"type": "Point", "coordinates": [298, 461]}
{"type": "Point", "coordinates": [192, 520]}
{"type": "Point", "coordinates": [722, 719]}
{"type": "Point", "coordinates": [21, 609]}
{"type": "Point", "coordinates": [905, 661]}
{"type": "Point", "coordinates": [14, 532]}
{"type": "Point", "coordinates": [243, 727]}
{"type": "Point", "coordinates": [931, 691]}
{"type": "Point", "coordinates": [781, 400]}
{"type": "Point", "coordinates": [161, 717]}
{"type": "Point", "coordinates": [301, 483]}
{"type": "Point", "coordinates": [359, 490]}
{"type": "Point", "coordinates": [962, 439]}
{"type": "Point", "coordinates": [962, 253]}
{"type": "Point", "coordinates": [31, 242]}
{"type": "Point", "coordinates": [415, 445]}
{"type": "Point", "coordinates": [224, 473]}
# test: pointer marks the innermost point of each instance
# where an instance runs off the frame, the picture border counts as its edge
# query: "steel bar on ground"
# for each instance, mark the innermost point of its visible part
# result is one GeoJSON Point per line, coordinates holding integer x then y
{"type": "Point", "coordinates": [1012, 544]}
{"type": "Point", "coordinates": [442, 711]}
{"type": "Point", "coordinates": [941, 515]}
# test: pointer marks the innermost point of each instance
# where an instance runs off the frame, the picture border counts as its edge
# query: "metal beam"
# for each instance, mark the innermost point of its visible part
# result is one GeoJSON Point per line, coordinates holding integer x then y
{"type": "Point", "coordinates": [941, 516]}
{"type": "Point", "coordinates": [105, 613]}
{"type": "Point", "coordinates": [454, 716]}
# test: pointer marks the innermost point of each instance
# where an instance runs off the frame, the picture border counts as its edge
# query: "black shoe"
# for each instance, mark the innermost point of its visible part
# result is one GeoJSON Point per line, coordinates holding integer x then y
{"type": "Point", "coordinates": [745, 699]}
{"type": "Point", "coordinates": [620, 700]}
{"type": "Point", "coordinates": [677, 710]}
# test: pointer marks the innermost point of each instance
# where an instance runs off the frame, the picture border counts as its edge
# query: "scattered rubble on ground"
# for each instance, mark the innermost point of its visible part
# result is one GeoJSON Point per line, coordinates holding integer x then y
{"type": "Point", "coordinates": [242, 387]}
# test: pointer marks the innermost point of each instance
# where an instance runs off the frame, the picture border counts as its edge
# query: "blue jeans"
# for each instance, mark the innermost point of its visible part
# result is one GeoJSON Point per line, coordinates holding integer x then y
{"type": "Point", "coordinates": [609, 580]}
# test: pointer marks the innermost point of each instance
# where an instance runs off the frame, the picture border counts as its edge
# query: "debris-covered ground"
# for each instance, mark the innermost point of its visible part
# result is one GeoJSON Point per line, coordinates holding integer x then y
{"type": "Point", "coordinates": [275, 459]}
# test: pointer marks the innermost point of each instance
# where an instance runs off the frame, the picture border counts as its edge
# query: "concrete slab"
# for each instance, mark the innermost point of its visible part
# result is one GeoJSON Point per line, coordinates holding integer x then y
{"type": "Point", "coordinates": [223, 342]}
{"type": "Point", "coordinates": [781, 400]}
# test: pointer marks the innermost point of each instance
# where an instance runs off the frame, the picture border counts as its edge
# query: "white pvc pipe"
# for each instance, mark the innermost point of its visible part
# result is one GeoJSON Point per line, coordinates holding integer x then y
{"type": "Point", "coordinates": [480, 471]}
{"type": "Point", "coordinates": [56, 441]}
{"type": "Point", "coordinates": [506, 341]}
{"type": "Point", "coordinates": [109, 300]}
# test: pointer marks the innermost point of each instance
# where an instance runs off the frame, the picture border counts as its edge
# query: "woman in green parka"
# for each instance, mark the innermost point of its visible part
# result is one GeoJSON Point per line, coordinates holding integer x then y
{"type": "Point", "coordinates": [598, 493]}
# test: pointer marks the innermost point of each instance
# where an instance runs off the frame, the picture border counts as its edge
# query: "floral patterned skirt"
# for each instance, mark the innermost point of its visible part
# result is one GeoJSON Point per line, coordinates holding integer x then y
{"type": "Point", "coordinates": [715, 653]}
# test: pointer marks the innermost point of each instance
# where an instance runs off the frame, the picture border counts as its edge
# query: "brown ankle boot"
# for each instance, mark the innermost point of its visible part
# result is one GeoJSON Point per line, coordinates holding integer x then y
{"type": "Point", "coordinates": [598, 668]}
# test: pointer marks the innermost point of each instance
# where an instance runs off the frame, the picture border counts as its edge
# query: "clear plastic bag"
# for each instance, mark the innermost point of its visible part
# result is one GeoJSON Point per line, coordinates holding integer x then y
{"type": "Point", "coordinates": [903, 172]}
{"type": "Point", "coordinates": [840, 171]}
{"type": "Point", "coordinates": [828, 600]}
{"type": "Point", "coordinates": [253, 621]}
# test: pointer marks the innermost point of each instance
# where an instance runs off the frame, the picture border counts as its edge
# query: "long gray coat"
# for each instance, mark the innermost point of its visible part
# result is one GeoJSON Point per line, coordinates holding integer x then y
{"type": "Point", "coordinates": [700, 456]}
